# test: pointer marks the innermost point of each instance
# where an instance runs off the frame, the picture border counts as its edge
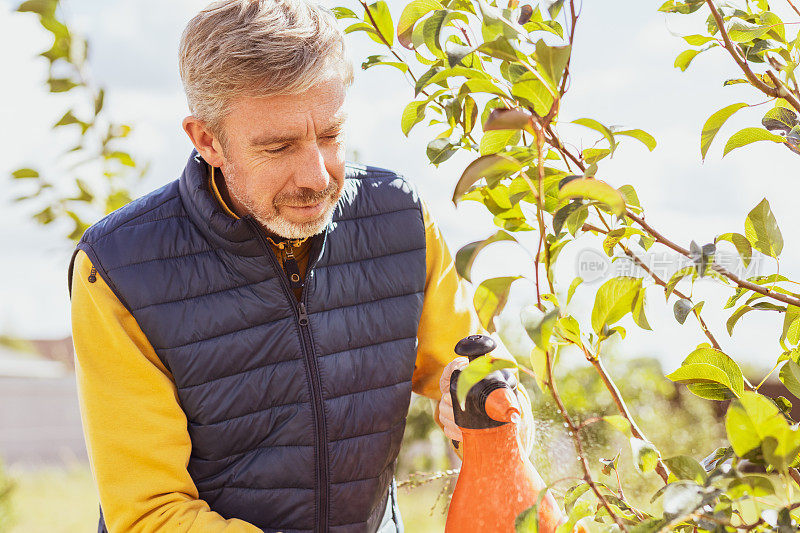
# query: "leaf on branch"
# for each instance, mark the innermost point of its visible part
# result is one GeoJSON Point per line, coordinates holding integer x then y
{"type": "Point", "coordinates": [684, 8]}
{"type": "Point", "coordinates": [509, 119]}
{"type": "Point", "coordinates": [614, 300]}
{"type": "Point", "coordinates": [780, 119]}
{"type": "Point", "coordinates": [710, 374]}
{"type": "Point", "coordinates": [602, 129]}
{"type": "Point", "coordinates": [410, 16]}
{"type": "Point", "coordinates": [685, 58]}
{"type": "Point", "coordinates": [742, 31]}
{"type": "Point", "coordinates": [713, 125]}
{"type": "Point", "coordinates": [749, 136]}
{"type": "Point", "coordinates": [552, 61]}
{"type": "Point", "coordinates": [24, 173]}
{"type": "Point", "coordinates": [790, 377]}
{"type": "Point", "coordinates": [594, 189]}
{"type": "Point", "coordinates": [466, 256]}
{"type": "Point", "coordinates": [476, 370]}
{"type": "Point", "coordinates": [741, 243]}
{"type": "Point", "coordinates": [440, 150]}
{"type": "Point", "coordinates": [762, 231]}
{"type": "Point", "coordinates": [539, 327]}
{"type": "Point", "coordinates": [492, 167]}
{"type": "Point", "coordinates": [490, 299]}
{"type": "Point", "coordinates": [645, 138]}
{"type": "Point", "coordinates": [645, 455]}
{"type": "Point", "coordinates": [686, 467]}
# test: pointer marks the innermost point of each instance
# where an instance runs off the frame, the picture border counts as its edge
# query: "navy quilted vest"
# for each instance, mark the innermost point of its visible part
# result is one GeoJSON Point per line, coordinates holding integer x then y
{"type": "Point", "coordinates": [295, 410]}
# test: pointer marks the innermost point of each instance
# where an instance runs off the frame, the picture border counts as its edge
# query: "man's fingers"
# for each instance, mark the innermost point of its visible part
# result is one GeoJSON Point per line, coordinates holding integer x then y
{"type": "Point", "coordinates": [444, 381]}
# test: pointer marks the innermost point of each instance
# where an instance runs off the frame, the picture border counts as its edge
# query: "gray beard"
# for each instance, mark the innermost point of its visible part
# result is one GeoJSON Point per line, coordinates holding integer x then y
{"type": "Point", "coordinates": [277, 223]}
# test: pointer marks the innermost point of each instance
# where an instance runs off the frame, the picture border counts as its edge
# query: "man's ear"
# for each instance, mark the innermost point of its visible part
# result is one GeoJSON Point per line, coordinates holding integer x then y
{"type": "Point", "coordinates": [206, 143]}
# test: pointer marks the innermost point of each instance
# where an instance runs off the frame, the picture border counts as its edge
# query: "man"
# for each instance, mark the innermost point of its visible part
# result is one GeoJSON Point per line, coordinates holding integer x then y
{"type": "Point", "coordinates": [248, 336]}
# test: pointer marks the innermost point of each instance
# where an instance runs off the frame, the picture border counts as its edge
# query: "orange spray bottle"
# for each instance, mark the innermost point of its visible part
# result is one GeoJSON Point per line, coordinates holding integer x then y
{"type": "Point", "coordinates": [497, 480]}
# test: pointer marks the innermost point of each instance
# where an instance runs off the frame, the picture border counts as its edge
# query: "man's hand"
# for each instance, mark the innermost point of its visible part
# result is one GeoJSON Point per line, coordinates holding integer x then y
{"type": "Point", "coordinates": [446, 403]}
{"type": "Point", "coordinates": [447, 419]}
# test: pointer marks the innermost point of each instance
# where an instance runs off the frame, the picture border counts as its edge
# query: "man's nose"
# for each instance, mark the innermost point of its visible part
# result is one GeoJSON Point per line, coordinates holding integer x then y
{"type": "Point", "coordinates": [313, 174]}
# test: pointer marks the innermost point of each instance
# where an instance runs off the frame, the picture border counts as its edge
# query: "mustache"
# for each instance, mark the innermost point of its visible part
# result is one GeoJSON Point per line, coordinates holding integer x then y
{"type": "Point", "coordinates": [308, 196]}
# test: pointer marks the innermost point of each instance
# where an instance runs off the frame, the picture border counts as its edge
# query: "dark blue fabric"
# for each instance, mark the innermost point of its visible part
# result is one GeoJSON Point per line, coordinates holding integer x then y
{"type": "Point", "coordinates": [294, 428]}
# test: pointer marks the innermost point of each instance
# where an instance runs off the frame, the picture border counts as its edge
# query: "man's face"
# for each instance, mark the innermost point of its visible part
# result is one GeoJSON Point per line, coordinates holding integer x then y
{"type": "Point", "coordinates": [285, 153]}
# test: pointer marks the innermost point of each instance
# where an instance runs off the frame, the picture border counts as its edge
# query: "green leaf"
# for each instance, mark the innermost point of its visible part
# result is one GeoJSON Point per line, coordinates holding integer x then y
{"type": "Point", "coordinates": [741, 243]}
{"type": "Point", "coordinates": [508, 119]}
{"type": "Point", "coordinates": [638, 310]}
{"type": "Point", "coordinates": [383, 20]}
{"type": "Point", "coordinates": [496, 140]}
{"type": "Point", "coordinates": [685, 58]}
{"type": "Point", "coordinates": [645, 138]}
{"type": "Point", "coordinates": [491, 167]}
{"type": "Point", "coordinates": [742, 31]}
{"type": "Point", "coordinates": [413, 114]}
{"type": "Point", "coordinates": [620, 423]}
{"type": "Point", "coordinates": [592, 155]}
{"type": "Point", "coordinates": [779, 119]}
{"type": "Point", "coordinates": [613, 301]}
{"type": "Point", "coordinates": [697, 40]}
{"type": "Point", "coordinates": [476, 370]}
{"type": "Point", "coordinates": [753, 485]}
{"type": "Point", "coordinates": [713, 125]}
{"type": "Point", "coordinates": [490, 298]}
{"type": "Point", "coordinates": [734, 318]}
{"type": "Point", "coordinates": [749, 136]}
{"type": "Point", "coordinates": [595, 125]}
{"type": "Point", "coordinates": [749, 419]}
{"type": "Point", "coordinates": [533, 92]}
{"type": "Point", "coordinates": [681, 309]}
{"type": "Point", "coordinates": [761, 229]}
{"type": "Point", "coordinates": [24, 173]}
{"type": "Point", "coordinates": [569, 329]}
{"type": "Point", "coordinates": [409, 17]}
{"type": "Point", "coordinates": [791, 325]}
{"type": "Point", "coordinates": [439, 151]}
{"type": "Point", "coordinates": [376, 60]}
{"type": "Point", "coordinates": [684, 8]}
{"type": "Point", "coordinates": [718, 359]}
{"type": "Point", "coordinates": [594, 189]}
{"type": "Point", "coordinates": [572, 287]}
{"type": "Point", "coordinates": [540, 328]}
{"type": "Point", "coordinates": [552, 60]}
{"type": "Point", "coordinates": [123, 157]}
{"type": "Point", "coordinates": [645, 455]}
{"type": "Point", "coordinates": [527, 521]}
{"type": "Point", "coordinates": [686, 467]}
{"type": "Point", "coordinates": [790, 377]}
{"type": "Point", "coordinates": [45, 8]}
{"type": "Point", "coordinates": [61, 85]}
{"type": "Point", "coordinates": [341, 12]}
{"type": "Point", "coordinates": [676, 277]}
{"type": "Point", "coordinates": [466, 256]}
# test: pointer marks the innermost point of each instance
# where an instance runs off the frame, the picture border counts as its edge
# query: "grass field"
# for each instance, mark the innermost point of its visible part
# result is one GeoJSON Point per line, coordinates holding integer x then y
{"type": "Point", "coordinates": [64, 500]}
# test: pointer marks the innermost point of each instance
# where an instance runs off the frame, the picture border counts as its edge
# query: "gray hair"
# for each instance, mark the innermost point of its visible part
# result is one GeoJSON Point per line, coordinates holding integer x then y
{"type": "Point", "coordinates": [257, 48]}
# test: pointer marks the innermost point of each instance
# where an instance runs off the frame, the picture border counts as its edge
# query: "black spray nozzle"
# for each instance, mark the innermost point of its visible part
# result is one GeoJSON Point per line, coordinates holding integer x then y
{"type": "Point", "coordinates": [474, 416]}
{"type": "Point", "coordinates": [475, 346]}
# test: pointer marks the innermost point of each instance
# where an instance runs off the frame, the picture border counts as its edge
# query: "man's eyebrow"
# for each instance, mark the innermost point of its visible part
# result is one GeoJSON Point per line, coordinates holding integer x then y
{"type": "Point", "coordinates": [267, 138]}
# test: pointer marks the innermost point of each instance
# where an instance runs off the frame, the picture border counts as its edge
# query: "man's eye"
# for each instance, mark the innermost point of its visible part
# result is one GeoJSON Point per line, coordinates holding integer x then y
{"type": "Point", "coordinates": [276, 150]}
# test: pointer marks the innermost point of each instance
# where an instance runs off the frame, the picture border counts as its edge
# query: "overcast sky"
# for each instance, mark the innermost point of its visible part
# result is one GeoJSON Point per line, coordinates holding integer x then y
{"type": "Point", "coordinates": [623, 74]}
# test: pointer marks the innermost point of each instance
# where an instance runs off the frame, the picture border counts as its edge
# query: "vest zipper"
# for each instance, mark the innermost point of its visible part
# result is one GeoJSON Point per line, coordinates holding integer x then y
{"type": "Point", "coordinates": [315, 384]}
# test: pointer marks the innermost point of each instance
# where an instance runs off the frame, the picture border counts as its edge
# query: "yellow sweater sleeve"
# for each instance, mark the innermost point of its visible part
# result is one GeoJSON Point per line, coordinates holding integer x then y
{"type": "Point", "coordinates": [447, 313]}
{"type": "Point", "coordinates": [136, 432]}
{"type": "Point", "coordinates": [447, 317]}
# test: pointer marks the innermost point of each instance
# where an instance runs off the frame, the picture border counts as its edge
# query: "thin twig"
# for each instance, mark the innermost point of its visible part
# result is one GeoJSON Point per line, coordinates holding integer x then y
{"type": "Point", "coordinates": [718, 268]}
